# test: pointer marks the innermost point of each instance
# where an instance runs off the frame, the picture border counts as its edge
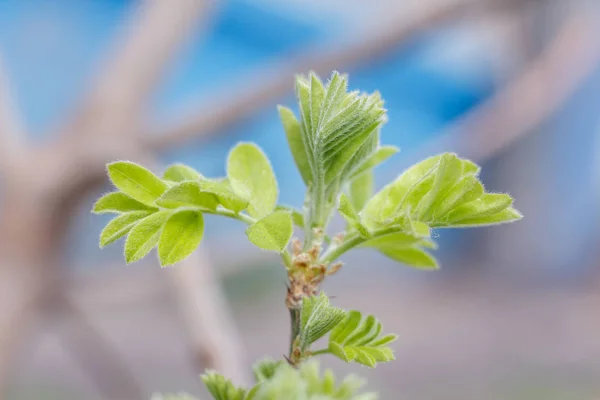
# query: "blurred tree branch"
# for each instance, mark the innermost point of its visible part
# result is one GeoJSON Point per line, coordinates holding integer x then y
{"type": "Point", "coordinates": [270, 83]}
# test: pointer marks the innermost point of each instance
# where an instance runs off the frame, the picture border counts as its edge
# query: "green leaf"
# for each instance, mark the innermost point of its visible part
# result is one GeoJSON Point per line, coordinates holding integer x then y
{"type": "Point", "coordinates": [293, 132]}
{"type": "Point", "coordinates": [273, 232]}
{"type": "Point", "coordinates": [317, 318]}
{"type": "Point", "coordinates": [347, 211]}
{"type": "Point", "coordinates": [120, 226]}
{"type": "Point", "coordinates": [488, 204]}
{"type": "Point", "coordinates": [297, 216]}
{"type": "Point", "coordinates": [405, 248]}
{"type": "Point", "coordinates": [180, 236]}
{"type": "Point", "coordinates": [265, 369]}
{"type": "Point", "coordinates": [361, 190]}
{"type": "Point", "coordinates": [180, 173]}
{"type": "Point", "coordinates": [373, 160]}
{"type": "Point", "coordinates": [307, 382]}
{"type": "Point", "coordinates": [358, 339]}
{"type": "Point", "coordinates": [465, 190]}
{"type": "Point", "coordinates": [117, 202]}
{"type": "Point", "coordinates": [386, 204]}
{"type": "Point", "coordinates": [447, 174]}
{"type": "Point", "coordinates": [188, 194]}
{"type": "Point", "coordinates": [507, 215]}
{"type": "Point", "coordinates": [252, 178]}
{"type": "Point", "coordinates": [136, 181]}
{"type": "Point", "coordinates": [144, 236]}
{"type": "Point", "coordinates": [222, 388]}
{"type": "Point", "coordinates": [225, 195]}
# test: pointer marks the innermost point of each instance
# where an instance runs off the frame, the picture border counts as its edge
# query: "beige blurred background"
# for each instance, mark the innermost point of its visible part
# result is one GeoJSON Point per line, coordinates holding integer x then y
{"type": "Point", "coordinates": [512, 84]}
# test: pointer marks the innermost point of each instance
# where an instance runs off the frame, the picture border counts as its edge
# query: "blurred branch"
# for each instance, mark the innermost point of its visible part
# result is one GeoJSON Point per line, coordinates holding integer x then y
{"type": "Point", "coordinates": [274, 81]}
{"type": "Point", "coordinates": [534, 95]}
{"type": "Point", "coordinates": [156, 31]}
{"type": "Point", "coordinates": [214, 337]}
{"type": "Point", "coordinates": [12, 135]}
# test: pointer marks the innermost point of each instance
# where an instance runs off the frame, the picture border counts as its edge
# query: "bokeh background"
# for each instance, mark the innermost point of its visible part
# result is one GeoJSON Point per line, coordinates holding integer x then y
{"type": "Point", "coordinates": [512, 84]}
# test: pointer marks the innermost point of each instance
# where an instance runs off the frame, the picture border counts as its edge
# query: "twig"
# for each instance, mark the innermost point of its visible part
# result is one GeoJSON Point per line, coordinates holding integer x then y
{"type": "Point", "coordinates": [274, 81]}
{"type": "Point", "coordinates": [156, 31]}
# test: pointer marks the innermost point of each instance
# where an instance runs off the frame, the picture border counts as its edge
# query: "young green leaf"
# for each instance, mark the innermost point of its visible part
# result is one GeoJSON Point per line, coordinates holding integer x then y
{"type": "Point", "coordinates": [507, 215]}
{"type": "Point", "coordinates": [358, 339]}
{"type": "Point", "coordinates": [225, 195]}
{"type": "Point", "coordinates": [465, 190]}
{"type": "Point", "coordinates": [188, 194]}
{"type": "Point", "coordinates": [120, 226]}
{"type": "Point", "coordinates": [486, 205]}
{"type": "Point", "coordinates": [180, 236]}
{"type": "Point", "coordinates": [405, 248]}
{"type": "Point", "coordinates": [273, 232]}
{"type": "Point", "coordinates": [293, 131]}
{"type": "Point", "coordinates": [297, 216]}
{"type": "Point", "coordinates": [265, 369]}
{"type": "Point", "coordinates": [117, 202]}
{"type": "Point", "coordinates": [222, 388]}
{"type": "Point", "coordinates": [252, 178]}
{"type": "Point", "coordinates": [317, 318]}
{"type": "Point", "coordinates": [144, 236]}
{"type": "Point", "coordinates": [447, 174]}
{"type": "Point", "coordinates": [347, 211]}
{"type": "Point", "coordinates": [180, 173]}
{"type": "Point", "coordinates": [136, 181]}
{"type": "Point", "coordinates": [361, 190]}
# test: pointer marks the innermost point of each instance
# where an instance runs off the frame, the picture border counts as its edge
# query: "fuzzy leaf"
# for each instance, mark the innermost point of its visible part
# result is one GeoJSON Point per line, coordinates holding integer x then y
{"type": "Point", "coordinates": [222, 388]}
{"type": "Point", "coordinates": [358, 339]}
{"type": "Point", "coordinates": [180, 236]}
{"type": "Point", "coordinates": [117, 202]}
{"type": "Point", "coordinates": [507, 215]}
{"type": "Point", "coordinates": [120, 226]}
{"type": "Point", "coordinates": [144, 236]}
{"type": "Point", "coordinates": [252, 178]}
{"type": "Point", "coordinates": [297, 216]}
{"type": "Point", "coordinates": [225, 195]}
{"type": "Point", "coordinates": [347, 211]}
{"type": "Point", "coordinates": [308, 383]}
{"type": "Point", "coordinates": [361, 190]}
{"type": "Point", "coordinates": [317, 318]}
{"type": "Point", "coordinates": [180, 173]}
{"type": "Point", "coordinates": [188, 194]}
{"type": "Point", "coordinates": [293, 132]}
{"type": "Point", "coordinates": [405, 248]}
{"type": "Point", "coordinates": [273, 232]}
{"type": "Point", "coordinates": [136, 181]}
{"type": "Point", "coordinates": [488, 204]}
{"type": "Point", "coordinates": [447, 174]}
{"type": "Point", "coordinates": [265, 369]}
{"type": "Point", "coordinates": [465, 190]}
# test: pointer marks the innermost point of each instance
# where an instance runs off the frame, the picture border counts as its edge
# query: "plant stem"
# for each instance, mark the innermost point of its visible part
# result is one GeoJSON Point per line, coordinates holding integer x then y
{"type": "Point", "coordinates": [295, 327]}
{"type": "Point", "coordinates": [319, 352]}
{"type": "Point", "coordinates": [334, 252]}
